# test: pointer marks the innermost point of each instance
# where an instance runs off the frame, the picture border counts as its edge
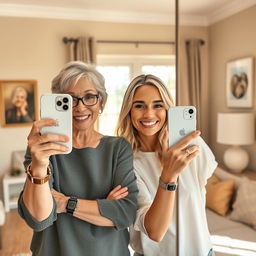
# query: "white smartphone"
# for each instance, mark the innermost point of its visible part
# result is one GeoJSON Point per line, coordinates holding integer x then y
{"type": "Point", "coordinates": [58, 107]}
{"type": "Point", "coordinates": [181, 122]}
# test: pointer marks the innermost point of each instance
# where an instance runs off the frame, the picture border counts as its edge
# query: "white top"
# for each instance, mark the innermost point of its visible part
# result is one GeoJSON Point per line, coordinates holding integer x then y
{"type": "Point", "coordinates": [194, 237]}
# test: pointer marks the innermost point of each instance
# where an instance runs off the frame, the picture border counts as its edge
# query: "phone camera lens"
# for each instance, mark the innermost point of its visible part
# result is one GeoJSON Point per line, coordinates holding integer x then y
{"type": "Point", "coordinates": [65, 107]}
{"type": "Point", "coordinates": [65, 100]}
{"type": "Point", "coordinates": [191, 111]}
{"type": "Point", "coordinates": [59, 103]}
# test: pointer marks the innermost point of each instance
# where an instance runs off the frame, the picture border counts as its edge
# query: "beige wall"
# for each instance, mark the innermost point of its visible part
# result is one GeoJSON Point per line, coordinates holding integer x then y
{"type": "Point", "coordinates": [230, 39]}
{"type": "Point", "coordinates": [33, 49]}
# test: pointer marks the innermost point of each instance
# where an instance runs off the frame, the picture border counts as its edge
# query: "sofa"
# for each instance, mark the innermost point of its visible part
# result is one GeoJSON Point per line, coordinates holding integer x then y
{"type": "Point", "coordinates": [231, 214]}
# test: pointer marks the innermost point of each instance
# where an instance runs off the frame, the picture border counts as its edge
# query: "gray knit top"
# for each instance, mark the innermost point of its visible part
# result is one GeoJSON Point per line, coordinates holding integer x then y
{"type": "Point", "coordinates": [88, 173]}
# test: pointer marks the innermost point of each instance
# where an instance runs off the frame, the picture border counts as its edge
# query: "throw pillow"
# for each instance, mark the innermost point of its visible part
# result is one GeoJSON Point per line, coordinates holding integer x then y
{"type": "Point", "coordinates": [219, 194]}
{"type": "Point", "coordinates": [244, 207]}
{"type": "Point", "coordinates": [213, 180]}
{"type": "Point", "coordinates": [224, 175]}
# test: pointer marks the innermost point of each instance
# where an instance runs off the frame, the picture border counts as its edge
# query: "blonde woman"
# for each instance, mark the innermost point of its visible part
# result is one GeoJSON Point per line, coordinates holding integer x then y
{"type": "Point", "coordinates": [142, 122]}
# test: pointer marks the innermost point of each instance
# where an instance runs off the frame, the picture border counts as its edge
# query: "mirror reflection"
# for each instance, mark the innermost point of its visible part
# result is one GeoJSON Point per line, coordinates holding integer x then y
{"type": "Point", "coordinates": [32, 48]}
{"type": "Point", "coordinates": [230, 214]}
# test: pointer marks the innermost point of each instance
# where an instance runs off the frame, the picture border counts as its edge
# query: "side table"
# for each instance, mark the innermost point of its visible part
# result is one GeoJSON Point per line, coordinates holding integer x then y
{"type": "Point", "coordinates": [12, 186]}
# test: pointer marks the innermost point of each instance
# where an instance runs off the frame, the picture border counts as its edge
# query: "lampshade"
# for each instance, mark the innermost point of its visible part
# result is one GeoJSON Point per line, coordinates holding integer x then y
{"type": "Point", "coordinates": [236, 128]}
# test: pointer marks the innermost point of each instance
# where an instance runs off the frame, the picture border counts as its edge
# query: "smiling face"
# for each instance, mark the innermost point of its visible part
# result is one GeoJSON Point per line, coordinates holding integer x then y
{"type": "Point", "coordinates": [148, 112]}
{"type": "Point", "coordinates": [19, 98]}
{"type": "Point", "coordinates": [84, 117]}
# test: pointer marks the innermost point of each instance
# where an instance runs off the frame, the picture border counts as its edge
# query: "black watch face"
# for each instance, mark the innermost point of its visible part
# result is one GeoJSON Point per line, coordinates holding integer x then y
{"type": "Point", "coordinates": [71, 204]}
{"type": "Point", "coordinates": [171, 187]}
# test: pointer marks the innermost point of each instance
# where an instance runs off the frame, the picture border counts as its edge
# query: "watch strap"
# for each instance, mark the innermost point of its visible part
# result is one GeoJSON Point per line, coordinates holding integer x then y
{"type": "Point", "coordinates": [37, 180]}
{"type": "Point", "coordinates": [168, 186]}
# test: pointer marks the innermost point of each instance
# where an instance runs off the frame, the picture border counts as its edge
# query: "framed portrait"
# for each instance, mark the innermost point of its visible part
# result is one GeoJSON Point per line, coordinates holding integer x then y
{"type": "Point", "coordinates": [239, 84]}
{"type": "Point", "coordinates": [19, 106]}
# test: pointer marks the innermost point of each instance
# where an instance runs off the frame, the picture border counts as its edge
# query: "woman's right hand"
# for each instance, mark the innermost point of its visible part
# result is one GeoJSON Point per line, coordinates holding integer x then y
{"type": "Point", "coordinates": [43, 146]}
{"type": "Point", "coordinates": [177, 157]}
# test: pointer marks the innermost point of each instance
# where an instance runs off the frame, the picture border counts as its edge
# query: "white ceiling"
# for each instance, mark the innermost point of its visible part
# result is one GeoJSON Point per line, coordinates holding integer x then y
{"type": "Point", "coordinates": [193, 12]}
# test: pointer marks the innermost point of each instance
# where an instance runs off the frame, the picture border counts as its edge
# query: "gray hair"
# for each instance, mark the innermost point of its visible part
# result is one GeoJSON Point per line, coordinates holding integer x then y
{"type": "Point", "coordinates": [17, 90]}
{"type": "Point", "coordinates": [73, 72]}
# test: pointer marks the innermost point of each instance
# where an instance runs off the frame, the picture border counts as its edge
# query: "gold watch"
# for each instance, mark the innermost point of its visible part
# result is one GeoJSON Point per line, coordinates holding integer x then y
{"type": "Point", "coordinates": [36, 180]}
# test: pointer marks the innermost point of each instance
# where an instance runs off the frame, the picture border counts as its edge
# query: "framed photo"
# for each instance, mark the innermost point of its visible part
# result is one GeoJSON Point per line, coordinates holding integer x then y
{"type": "Point", "coordinates": [239, 87]}
{"type": "Point", "coordinates": [18, 103]}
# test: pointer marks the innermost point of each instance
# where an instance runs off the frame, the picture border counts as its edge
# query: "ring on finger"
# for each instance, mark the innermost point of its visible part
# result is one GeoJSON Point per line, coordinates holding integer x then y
{"type": "Point", "coordinates": [187, 151]}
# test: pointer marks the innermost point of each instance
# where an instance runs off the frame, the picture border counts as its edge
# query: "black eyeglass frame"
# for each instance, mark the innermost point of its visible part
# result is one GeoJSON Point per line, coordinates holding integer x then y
{"type": "Point", "coordinates": [78, 99]}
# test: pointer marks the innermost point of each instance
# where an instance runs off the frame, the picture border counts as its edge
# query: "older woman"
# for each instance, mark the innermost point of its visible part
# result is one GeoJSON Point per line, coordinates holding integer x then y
{"type": "Point", "coordinates": [18, 113]}
{"type": "Point", "coordinates": [69, 210]}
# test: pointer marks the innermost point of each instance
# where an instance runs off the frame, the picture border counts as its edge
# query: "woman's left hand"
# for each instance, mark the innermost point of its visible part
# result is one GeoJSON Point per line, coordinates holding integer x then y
{"type": "Point", "coordinates": [117, 193]}
{"type": "Point", "coordinates": [61, 200]}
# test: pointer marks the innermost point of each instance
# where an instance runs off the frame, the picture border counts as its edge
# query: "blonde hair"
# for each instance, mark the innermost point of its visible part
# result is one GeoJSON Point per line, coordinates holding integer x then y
{"type": "Point", "coordinates": [124, 124]}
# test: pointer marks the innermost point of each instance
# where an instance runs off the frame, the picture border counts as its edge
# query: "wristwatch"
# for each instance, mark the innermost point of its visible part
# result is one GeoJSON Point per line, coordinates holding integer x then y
{"type": "Point", "coordinates": [168, 186]}
{"type": "Point", "coordinates": [71, 205]}
{"type": "Point", "coordinates": [36, 180]}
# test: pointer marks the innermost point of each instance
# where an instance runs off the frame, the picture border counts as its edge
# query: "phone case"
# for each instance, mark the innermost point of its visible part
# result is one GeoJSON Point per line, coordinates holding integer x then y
{"type": "Point", "coordinates": [181, 122]}
{"type": "Point", "coordinates": [58, 107]}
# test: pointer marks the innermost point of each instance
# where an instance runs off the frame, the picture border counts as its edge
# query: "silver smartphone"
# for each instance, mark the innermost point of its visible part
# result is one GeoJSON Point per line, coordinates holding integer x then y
{"type": "Point", "coordinates": [181, 122]}
{"type": "Point", "coordinates": [58, 107]}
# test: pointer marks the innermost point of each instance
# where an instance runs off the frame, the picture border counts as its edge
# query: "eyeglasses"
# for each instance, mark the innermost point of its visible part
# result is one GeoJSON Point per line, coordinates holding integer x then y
{"type": "Point", "coordinates": [88, 100]}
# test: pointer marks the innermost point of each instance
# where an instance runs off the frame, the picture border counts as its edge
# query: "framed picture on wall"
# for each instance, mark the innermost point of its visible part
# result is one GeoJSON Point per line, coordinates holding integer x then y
{"type": "Point", "coordinates": [239, 84]}
{"type": "Point", "coordinates": [18, 105]}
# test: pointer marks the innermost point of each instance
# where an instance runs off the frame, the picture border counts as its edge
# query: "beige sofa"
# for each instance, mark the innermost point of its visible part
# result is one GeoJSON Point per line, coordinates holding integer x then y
{"type": "Point", "coordinates": [235, 233]}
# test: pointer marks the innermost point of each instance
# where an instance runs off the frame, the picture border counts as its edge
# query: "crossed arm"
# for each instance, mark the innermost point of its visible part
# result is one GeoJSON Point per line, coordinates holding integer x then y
{"type": "Point", "coordinates": [38, 199]}
{"type": "Point", "coordinates": [88, 210]}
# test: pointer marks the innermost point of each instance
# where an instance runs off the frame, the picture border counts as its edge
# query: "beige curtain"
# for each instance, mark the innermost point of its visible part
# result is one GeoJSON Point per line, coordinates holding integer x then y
{"type": "Point", "coordinates": [190, 75]}
{"type": "Point", "coordinates": [83, 49]}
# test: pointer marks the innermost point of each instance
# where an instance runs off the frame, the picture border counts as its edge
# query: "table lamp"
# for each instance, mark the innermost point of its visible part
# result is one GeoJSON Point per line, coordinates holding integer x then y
{"type": "Point", "coordinates": [236, 129]}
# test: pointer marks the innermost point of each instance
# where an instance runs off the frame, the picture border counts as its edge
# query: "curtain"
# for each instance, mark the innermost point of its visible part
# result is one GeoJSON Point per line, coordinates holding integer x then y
{"type": "Point", "coordinates": [190, 91]}
{"type": "Point", "coordinates": [84, 49]}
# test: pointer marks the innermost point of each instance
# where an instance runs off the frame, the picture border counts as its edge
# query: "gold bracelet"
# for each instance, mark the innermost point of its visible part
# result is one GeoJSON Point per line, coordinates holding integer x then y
{"type": "Point", "coordinates": [36, 180]}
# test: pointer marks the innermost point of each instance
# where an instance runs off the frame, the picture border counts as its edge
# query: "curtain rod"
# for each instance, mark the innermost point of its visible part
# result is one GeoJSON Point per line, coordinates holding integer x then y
{"type": "Point", "coordinates": [67, 40]}
{"type": "Point", "coordinates": [201, 42]}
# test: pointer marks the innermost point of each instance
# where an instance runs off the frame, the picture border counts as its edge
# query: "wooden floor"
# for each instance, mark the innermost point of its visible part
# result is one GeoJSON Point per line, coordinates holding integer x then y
{"type": "Point", "coordinates": [16, 235]}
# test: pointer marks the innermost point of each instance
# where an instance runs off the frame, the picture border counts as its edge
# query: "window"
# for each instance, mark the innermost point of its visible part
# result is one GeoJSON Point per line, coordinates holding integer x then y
{"type": "Point", "coordinates": [119, 71]}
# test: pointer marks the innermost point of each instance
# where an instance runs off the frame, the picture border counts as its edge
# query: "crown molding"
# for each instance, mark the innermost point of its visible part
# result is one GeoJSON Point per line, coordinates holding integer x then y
{"type": "Point", "coordinates": [230, 9]}
{"type": "Point", "coordinates": [32, 11]}
{"type": "Point", "coordinates": [35, 11]}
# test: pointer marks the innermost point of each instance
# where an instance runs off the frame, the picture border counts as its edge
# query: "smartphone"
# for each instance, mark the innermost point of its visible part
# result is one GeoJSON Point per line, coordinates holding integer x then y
{"type": "Point", "coordinates": [58, 107]}
{"type": "Point", "coordinates": [181, 122]}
